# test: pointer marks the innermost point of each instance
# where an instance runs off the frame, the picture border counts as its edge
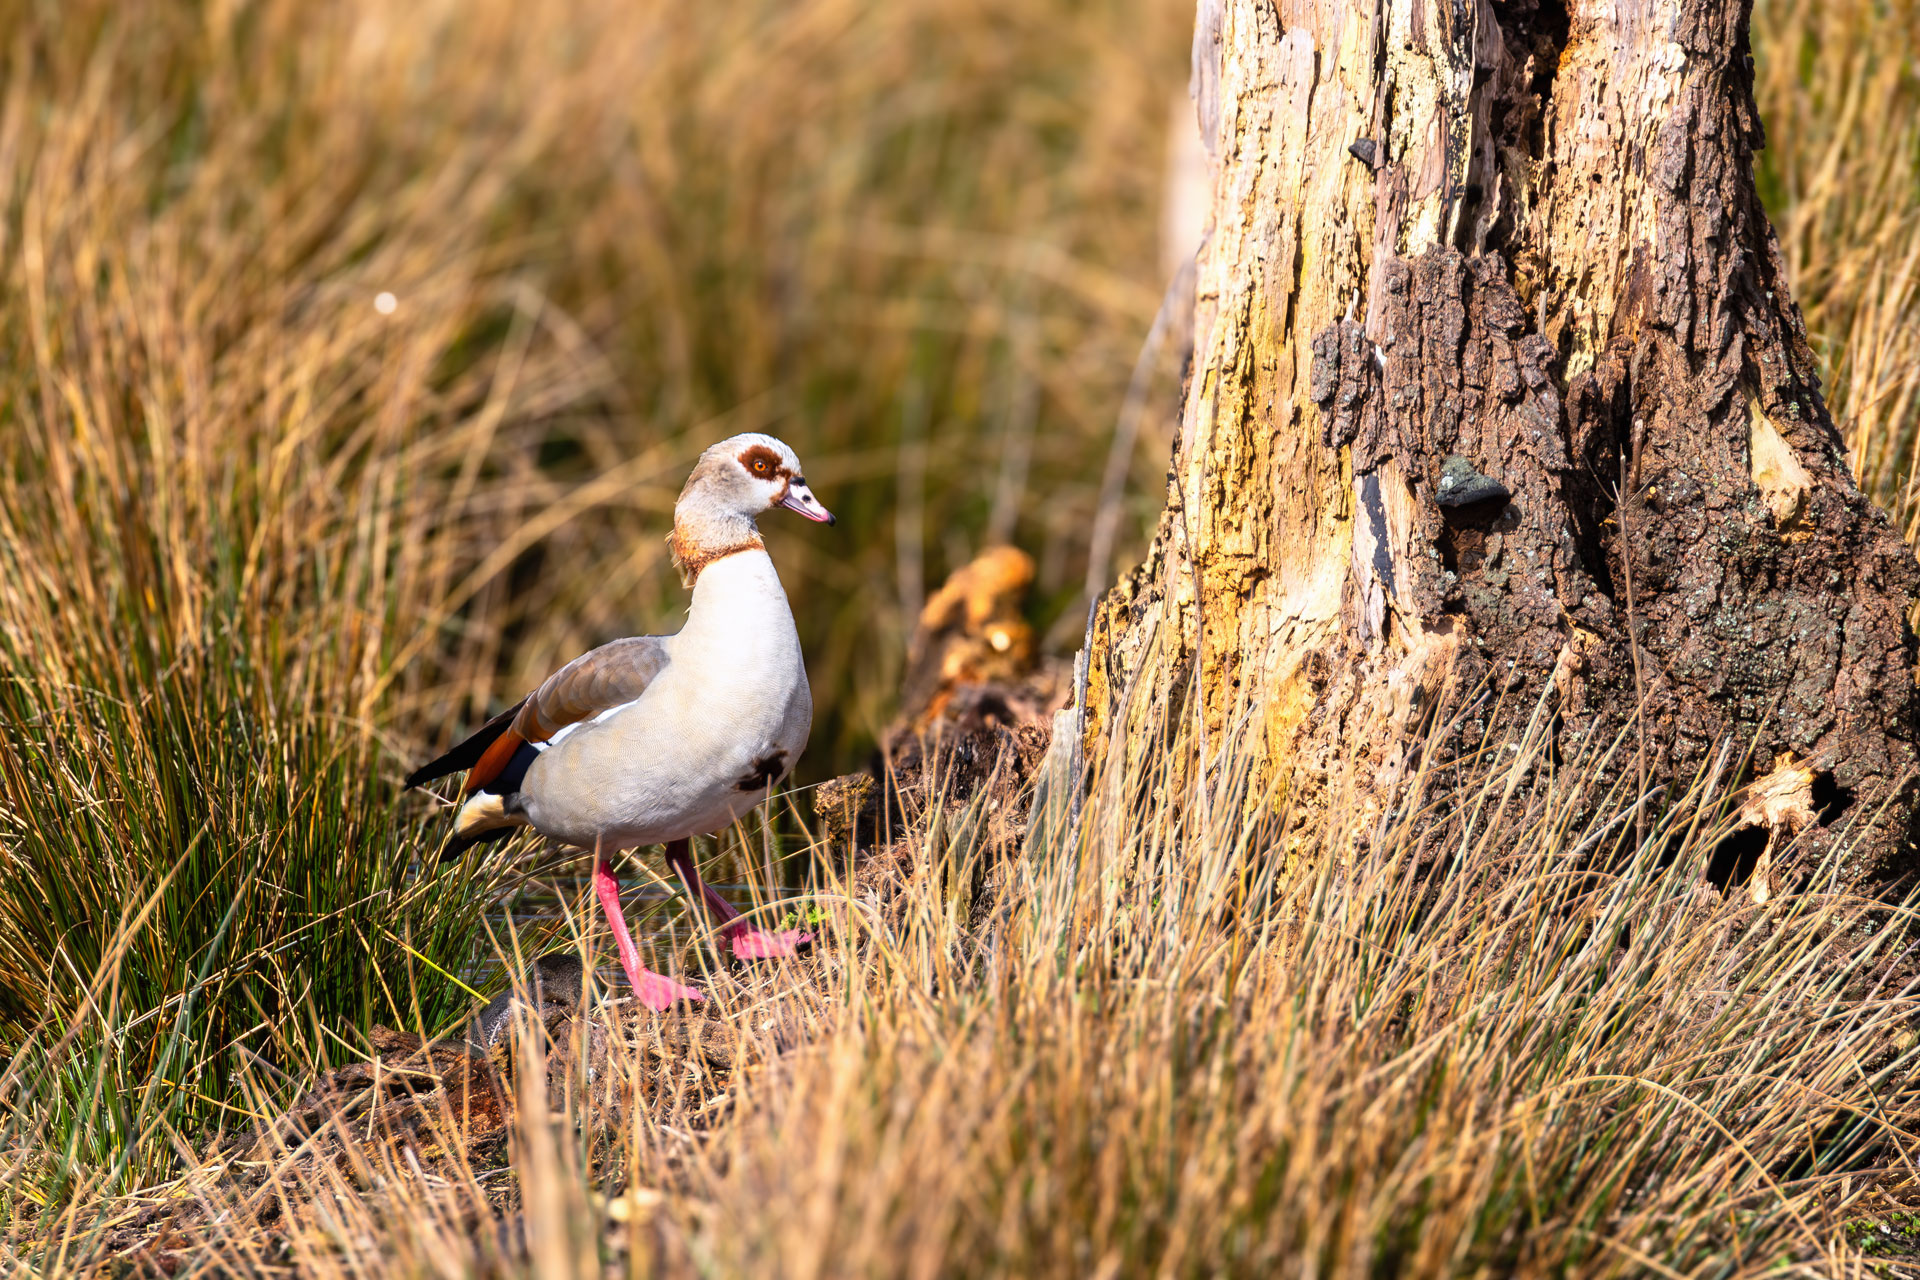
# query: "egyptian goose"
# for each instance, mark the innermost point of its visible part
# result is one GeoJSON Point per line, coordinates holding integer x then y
{"type": "Point", "coordinates": [656, 739]}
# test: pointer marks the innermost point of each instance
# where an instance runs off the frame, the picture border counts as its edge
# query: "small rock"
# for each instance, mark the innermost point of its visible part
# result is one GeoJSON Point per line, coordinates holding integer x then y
{"type": "Point", "coordinates": [1462, 485]}
{"type": "Point", "coordinates": [1365, 150]}
{"type": "Point", "coordinates": [556, 982]}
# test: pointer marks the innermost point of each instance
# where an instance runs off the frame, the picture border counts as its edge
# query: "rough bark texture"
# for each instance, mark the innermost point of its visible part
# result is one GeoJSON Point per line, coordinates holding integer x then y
{"type": "Point", "coordinates": [1495, 364]}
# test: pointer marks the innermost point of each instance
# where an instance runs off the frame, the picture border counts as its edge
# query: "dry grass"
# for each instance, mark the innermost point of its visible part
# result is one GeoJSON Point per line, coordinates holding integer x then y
{"type": "Point", "coordinates": [1157, 1048]}
{"type": "Point", "coordinates": [259, 541]}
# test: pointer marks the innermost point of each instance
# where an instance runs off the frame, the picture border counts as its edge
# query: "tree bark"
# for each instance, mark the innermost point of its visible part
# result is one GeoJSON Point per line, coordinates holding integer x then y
{"type": "Point", "coordinates": [1498, 384]}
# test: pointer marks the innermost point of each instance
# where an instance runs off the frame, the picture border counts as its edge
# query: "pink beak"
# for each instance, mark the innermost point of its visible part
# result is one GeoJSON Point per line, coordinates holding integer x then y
{"type": "Point", "coordinates": [800, 498]}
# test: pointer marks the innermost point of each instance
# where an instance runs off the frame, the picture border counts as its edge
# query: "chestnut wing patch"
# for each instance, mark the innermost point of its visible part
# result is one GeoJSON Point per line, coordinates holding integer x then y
{"type": "Point", "coordinates": [767, 770]}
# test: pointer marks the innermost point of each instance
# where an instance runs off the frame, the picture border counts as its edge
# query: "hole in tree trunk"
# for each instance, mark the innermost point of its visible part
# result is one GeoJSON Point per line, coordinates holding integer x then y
{"type": "Point", "coordinates": [1734, 858]}
{"type": "Point", "coordinates": [1830, 800]}
{"type": "Point", "coordinates": [1539, 28]}
{"type": "Point", "coordinates": [1463, 541]}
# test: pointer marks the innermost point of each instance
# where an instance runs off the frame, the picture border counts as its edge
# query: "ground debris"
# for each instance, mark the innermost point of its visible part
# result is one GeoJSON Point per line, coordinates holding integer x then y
{"type": "Point", "coordinates": [448, 1111]}
{"type": "Point", "coordinates": [976, 718]}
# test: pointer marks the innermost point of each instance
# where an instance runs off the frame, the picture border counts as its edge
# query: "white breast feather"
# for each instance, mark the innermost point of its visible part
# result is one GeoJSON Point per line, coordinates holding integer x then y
{"type": "Point", "coordinates": [671, 763]}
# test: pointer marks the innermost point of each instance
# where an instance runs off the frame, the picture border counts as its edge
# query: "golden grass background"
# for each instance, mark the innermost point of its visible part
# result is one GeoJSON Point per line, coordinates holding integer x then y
{"type": "Point", "coordinates": [260, 543]}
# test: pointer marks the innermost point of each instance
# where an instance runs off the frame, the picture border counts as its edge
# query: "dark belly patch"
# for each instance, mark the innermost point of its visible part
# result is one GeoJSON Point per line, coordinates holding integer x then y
{"type": "Point", "coordinates": [767, 770]}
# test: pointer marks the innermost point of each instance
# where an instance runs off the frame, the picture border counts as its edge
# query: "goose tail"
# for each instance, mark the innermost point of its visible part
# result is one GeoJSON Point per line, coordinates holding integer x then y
{"type": "Point", "coordinates": [495, 811]}
{"type": "Point", "coordinates": [469, 751]}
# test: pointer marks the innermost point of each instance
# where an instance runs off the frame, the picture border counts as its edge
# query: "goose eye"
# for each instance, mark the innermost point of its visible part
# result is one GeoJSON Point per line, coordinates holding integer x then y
{"type": "Point", "coordinates": [760, 465]}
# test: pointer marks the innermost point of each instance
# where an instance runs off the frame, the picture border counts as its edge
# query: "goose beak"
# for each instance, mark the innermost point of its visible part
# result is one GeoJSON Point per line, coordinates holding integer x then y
{"type": "Point", "coordinates": [800, 498]}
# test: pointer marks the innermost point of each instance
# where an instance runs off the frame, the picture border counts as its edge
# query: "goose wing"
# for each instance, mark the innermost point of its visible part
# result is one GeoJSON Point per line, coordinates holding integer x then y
{"type": "Point", "coordinates": [595, 682]}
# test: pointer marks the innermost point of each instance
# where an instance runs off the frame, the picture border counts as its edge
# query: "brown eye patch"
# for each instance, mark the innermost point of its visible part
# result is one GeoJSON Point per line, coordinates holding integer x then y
{"type": "Point", "coordinates": [762, 463]}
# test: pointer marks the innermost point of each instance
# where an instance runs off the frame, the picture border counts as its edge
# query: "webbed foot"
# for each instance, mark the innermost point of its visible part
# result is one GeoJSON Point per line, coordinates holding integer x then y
{"type": "Point", "coordinates": [765, 944]}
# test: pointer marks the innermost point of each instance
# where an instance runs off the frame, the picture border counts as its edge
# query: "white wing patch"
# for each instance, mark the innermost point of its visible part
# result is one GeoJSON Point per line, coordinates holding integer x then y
{"type": "Point", "coordinates": [600, 718]}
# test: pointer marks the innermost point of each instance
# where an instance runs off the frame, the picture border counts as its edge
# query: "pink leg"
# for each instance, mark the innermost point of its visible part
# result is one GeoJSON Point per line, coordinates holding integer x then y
{"type": "Point", "coordinates": [748, 941]}
{"type": "Point", "coordinates": [654, 991]}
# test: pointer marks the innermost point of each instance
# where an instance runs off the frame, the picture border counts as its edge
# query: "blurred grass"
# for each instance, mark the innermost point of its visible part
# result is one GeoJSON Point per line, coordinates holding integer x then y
{"type": "Point", "coordinates": [260, 543]}
{"type": "Point", "coordinates": [613, 232]}
{"type": "Point", "coordinates": [1839, 93]}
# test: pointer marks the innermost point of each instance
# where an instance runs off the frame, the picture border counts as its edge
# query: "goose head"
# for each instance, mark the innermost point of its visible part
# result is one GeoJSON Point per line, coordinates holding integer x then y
{"type": "Point", "coordinates": [745, 476]}
{"type": "Point", "coordinates": [734, 483]}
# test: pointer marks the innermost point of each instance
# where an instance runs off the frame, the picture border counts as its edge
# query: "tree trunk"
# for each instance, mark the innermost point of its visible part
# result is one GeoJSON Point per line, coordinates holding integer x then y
{"type": "Point", "coordinates": [1497, 383]}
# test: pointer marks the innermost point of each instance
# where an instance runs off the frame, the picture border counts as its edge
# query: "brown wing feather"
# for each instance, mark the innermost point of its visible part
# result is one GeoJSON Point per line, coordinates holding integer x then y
{"type": "Point", "coordinates": [596, 681]}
